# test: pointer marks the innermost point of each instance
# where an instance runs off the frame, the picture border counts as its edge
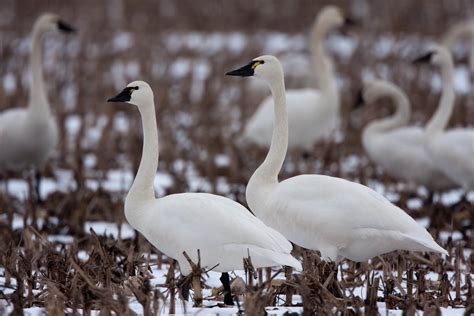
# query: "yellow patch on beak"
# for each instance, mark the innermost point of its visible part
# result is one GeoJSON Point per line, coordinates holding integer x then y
{"type": "Point", "coordinates": [255, 64]}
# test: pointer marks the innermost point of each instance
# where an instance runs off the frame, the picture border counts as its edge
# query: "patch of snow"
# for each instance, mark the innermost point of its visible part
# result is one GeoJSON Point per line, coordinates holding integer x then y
{"type": "Point", "coordinates": [122, 41]}
{"type": "Point", "coordinates": [221, 160]}
{"type": "Point", "coordinates": [9, 83]}
{"type": "Point", "coordinates": [107, 228]}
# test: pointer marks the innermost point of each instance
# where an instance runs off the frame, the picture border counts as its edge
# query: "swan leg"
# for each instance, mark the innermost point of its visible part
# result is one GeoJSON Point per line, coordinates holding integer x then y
{"type": "Point", "coordinates": [226, 284]}
{"type": "Point", "coordinates": [37, 186]}
{"type": "Point", "coordinates": [4, 178]}
{"type": "Point", "coordinates": [306, 155]}
{"type": "Point", "coordinates": [430, 199]}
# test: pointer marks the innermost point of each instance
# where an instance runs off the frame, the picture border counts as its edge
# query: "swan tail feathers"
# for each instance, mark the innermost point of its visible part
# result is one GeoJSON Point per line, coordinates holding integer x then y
{"type": "Point", "coordinates": [273, 258]}
{"type": "Point", "coordinates": [428, 245]}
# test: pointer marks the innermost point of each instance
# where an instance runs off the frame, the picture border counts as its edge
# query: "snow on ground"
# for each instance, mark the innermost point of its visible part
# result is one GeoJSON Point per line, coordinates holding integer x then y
{"type": "Point", "coordinates": [209, 44]}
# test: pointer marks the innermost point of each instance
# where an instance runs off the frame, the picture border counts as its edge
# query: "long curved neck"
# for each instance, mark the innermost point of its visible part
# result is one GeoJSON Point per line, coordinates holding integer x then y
{"type": "Point", "coordinates": [440, 119]}
{"type": "Point", "coordinates": [400, 118]}
{"type": "Point", "coordinates": [322, 63]}
{"type": "Point", "coordinates": [142, 187]}
{"type": "Point", "coordinates": [38, 100]}
{"type": "Point", "coordinates": [271, 166]}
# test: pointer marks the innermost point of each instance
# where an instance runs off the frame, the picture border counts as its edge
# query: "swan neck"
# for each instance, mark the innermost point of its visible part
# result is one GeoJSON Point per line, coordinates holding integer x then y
{"type": "Point", "coordinates": [142, 188]}
{"type": "Point", "coordinates": [38, 100]}
{"type": "Point", "coordinates": [271, 166]}
{"type": "Point", "coordinates": [441, 117]}
{"type": "Point", "coordinates": [322, 63]}
{"type": "Point", "coordinates": [400, 118]}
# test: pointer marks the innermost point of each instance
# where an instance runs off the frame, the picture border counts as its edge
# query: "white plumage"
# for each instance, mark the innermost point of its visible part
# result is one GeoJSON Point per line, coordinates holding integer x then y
{"type": "Point", "coordinates": [306, 123]}
{"type": "Point", "coordinates": [452, 150]}
{"type": "Point", "coordinates": [462, 30]}
{"type": "Point", "coordinates": [29, 135]}
{"type": "Point", "coordinates": [400, 149]}
{"type": "Point", "coordinates": [224, 231]}
{"type": "Point", "coordinates": [337, 217]}
{"type": "Point", "coordinates": [313, 113]}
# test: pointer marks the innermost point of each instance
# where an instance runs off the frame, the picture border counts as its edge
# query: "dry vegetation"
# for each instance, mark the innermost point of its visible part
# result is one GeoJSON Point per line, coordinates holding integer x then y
{"type": "Point", "coordinates": [193, 130]}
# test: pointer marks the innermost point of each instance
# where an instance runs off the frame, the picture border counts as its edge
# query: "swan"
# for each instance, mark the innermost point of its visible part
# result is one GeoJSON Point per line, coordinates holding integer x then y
{"type": "Point", "coordinates": [341, 219]}
{"type": "Point", "coordinates": [222, 230]}
{"type": "Point", "coordinates": [312, 114]}
{"type": "Point", "coordinates": [30, 134]}
{"type": "Point", "coordinates": [451, 150]}
{"type": "Point", "coordinates": [396, 147]}
{"type": "Point", "coordinates": [464, 29]}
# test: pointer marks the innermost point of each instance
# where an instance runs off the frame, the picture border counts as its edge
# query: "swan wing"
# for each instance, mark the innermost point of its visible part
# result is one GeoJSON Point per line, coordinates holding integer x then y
{"type": "Point", "coordinates": [191, 221]}
{"type": "Point", "coordinates": [328, 210]}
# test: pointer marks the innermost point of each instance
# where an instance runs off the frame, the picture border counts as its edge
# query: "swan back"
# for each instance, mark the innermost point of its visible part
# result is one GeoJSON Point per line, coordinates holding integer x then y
{"type": "Point", "coordinates": [323, 216]}
{"type": "Point", "coordinates": [453, 152]}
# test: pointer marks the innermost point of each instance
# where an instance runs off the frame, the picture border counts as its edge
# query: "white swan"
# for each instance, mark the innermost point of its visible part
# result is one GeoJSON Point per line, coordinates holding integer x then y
{"type": "Point", "coordinates": [222, 230]}
{"type": "Point", "coordinates": [452, 150]}
{"type": "Point", "coordinates": [29, 135]}
{"type": "Point", "coordinates": [312, 114]}
{"type": "Point", "coordinates": [337, 217]}
{"type": "Point", "coordinates": [464, 29]}
{"type": "Point", "coordinates": [396, 147]}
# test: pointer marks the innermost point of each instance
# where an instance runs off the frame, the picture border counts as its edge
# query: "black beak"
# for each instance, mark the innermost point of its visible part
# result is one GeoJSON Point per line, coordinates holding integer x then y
{"type": "Point", "coordinates": [66, 28]}
{"type": "Point", "coordinates": [245, 71]}
{"type": "Point", "coordinates": [423, 59]}
{"type": "Point", "coordinates": [359, 100]}
{"type": "Point", "coordinates": [123, 96]}
{"type": "Point", "coordinates": [349, 22]}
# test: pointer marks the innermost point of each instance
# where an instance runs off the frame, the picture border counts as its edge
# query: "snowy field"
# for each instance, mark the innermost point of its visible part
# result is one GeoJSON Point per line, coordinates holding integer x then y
{"type": "Point", "coordinates": [76, 252]}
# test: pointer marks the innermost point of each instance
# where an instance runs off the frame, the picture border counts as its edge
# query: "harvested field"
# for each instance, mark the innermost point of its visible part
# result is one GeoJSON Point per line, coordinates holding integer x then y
{"type": "Point", "coordinates": [75, 253]}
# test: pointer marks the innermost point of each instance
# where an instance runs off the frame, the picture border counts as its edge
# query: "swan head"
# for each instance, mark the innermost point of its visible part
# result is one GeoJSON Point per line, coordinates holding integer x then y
{"type": "Point", "coordinates": [371, 91]}
{"type": "Point", "coordinates": [332, 17]}
{"type": "Point", "coordinates": [138, 93]}
{"type": "Point", "coordinates": [438, 56]}
{"type": "Point", "coordinates": [52, 22]}
{"type": "Point", "coordinates": [266, 67]}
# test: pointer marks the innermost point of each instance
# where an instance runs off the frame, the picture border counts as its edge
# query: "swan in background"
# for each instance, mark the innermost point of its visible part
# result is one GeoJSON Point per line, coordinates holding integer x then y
{"type": "Point", "coordinates": [312, 114]}
{"type": "Point", "coordinates": [337, 217]}
{"type": "Point", "coordinates": [463, 29]}
{"type": "Point", "coordinates": [222, 230]}
{"type": "Point", "coordinates": [396, 147]}
{"type": "Point", "coordinates": [29, 135]}
{"type": "Point", "coordinates": [451, 150]}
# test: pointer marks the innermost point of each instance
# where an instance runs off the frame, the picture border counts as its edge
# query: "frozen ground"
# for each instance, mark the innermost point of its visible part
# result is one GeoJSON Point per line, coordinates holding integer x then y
{"type": "Point", "coordinates": [203, 50]}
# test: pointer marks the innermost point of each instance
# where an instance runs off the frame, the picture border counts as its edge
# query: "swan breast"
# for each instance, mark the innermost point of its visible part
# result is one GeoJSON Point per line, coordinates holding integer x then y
{"type": "Point", "coordinates": [220, 228]}
{"type": "Point", "coordinates": [29, 140]}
